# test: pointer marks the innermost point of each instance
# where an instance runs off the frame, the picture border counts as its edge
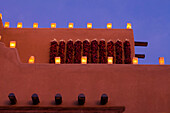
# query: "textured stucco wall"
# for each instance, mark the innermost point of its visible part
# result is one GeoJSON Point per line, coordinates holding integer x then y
{"type": "Point", "coordinates": [140, 88]}
{"type": "Point", "coordinates": [36, 41]}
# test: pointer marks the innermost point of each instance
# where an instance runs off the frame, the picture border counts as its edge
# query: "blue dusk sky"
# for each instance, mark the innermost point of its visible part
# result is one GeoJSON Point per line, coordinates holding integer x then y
{"type": "Point", "coordinates": [150, 19]}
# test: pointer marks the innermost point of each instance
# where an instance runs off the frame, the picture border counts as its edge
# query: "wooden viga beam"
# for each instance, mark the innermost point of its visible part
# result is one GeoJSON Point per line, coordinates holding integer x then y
{"type": "Point", "coordinates": [140, 55]}
{"type": "Point", "coordinates": [145, 44]}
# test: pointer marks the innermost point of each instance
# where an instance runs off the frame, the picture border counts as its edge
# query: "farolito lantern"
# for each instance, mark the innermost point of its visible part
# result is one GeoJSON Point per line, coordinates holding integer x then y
{"type": "Point", "coordinates": [84, 60]}
{"type": "Point", "coordinates": [135, 60]}
{"type": "Point", "coordinates": [109, 26]}
{"type": "Point", "coordinates": [161, 61]}
{"type": "Point", "coordinates": [12, 44]}
{"type": "Point", "coordinates": [19, 25]}
{"type": "Point", "coordinates": [129, 26]}
{"type": "Point", "coordinates": [89, 25]}
{"type": "Point", "coordinates": [31, 60]}
{"type": "Point", "coordinates": [53, 25]}
{"type": "Point", "coordinates": [0, 16]}
{"type": "Point", "coordinates": [70, 25]}
{"type": "Point", "coordinates": [6, 25]}
{"type": "Point", "coordinates": [110, 60]}
{"type": "Point", "coordinates": [35, 25]}
{"type": "Point", "coordinates": [57, 60]}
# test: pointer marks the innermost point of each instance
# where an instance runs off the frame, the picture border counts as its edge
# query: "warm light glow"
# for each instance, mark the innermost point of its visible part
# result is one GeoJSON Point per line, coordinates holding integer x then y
{"type": "Point", "coordinates": [0, 15]}
{"type": "Point", "coordinates": [110, 60]}
{"type": "Point", "coordinates": [83, 60]}
{"type": "Point", "coordinates": [57, 60]}
{"type": "Point", "coordinates": [161, 61]}
{"type": "Point", "coordinates": [19, 25]}
{"type": "Point", "coordinates": [35, 25]}
{"type": "Point", "coordinates": [135, 60]}
{"type": "Point", "coordinates": [109, 25]}
{"type": "Point", "coordinates": [129, 26]}
{"type": "Point", "coordinates": [12, 44]}
{"type": "Point", "coordinates": [89, 25]}
{"type": "Point", "coordinates": [0, 37]}
{"type": "Point", "coordinates": [31, 60]}
{"type": "Point", "coordinates": [70, 25]}
{"type": "Point", "coordinates": [6, 25]}
{"type": "Point", "coordinates": [53, 25]}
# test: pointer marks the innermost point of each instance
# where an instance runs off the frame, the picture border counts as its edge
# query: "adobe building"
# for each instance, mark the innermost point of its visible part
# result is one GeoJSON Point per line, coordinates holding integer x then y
{"type": "Point", "coordinates": [73, 70]}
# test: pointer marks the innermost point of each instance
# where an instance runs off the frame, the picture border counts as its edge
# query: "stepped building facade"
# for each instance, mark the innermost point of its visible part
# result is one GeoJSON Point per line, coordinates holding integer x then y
{"type": "Point", "coordinates": [78, 70]}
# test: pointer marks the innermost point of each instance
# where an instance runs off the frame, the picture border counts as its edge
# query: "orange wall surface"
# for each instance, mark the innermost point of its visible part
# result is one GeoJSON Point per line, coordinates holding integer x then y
{"type": "Point", "coordinates": [36, 41]}
{"type": "Point", "coordinates": [140, 88]}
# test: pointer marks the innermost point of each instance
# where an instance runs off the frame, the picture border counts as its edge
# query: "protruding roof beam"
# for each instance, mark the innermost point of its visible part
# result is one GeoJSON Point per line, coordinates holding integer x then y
{"type": "Point", "coordinates": [141, 44]}
{"type": "Point", "coordinates": [140, 55]}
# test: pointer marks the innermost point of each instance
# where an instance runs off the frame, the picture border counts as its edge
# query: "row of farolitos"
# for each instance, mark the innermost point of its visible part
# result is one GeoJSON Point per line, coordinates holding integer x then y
{"type": "Point", "coordinates": [58, 99]}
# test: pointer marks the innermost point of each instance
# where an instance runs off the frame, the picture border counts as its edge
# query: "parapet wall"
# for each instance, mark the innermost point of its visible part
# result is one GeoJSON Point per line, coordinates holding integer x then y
{"type": "Point", "coordinates": [36, 41]}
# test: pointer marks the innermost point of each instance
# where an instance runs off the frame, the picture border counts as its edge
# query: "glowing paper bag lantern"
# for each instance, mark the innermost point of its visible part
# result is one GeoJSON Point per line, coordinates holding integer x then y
{"type": "Point", "coordinates": [110, 60]}
{"type": "Point", "coordinates": [0, 15]}
{"type": "Point", "coordinates": [6, 25]}
{"type": "Point", "coordinates": [161, 61]}
{"type": "Point", "coordinates": [12, 44]}
{"type": "Point", "coordinates": [31, 60]}
{"type": "Point", "coordinates": [53, 25]}
{"type": "Point", "coordinates": [19, 25]}
{"type": "Point", "coordinates": [135, 60]}
{"type": "Point", "coordinates": [57, 60]}
{"type": "Point", "coordinates": [71, 25]}
{"type": "Point", "coordinates": [84, 60]}
{"type": "Point", "coordinates": [89, 25]}
{"type": "Point", "coordinates": [129, 26]}
{"type": "Point", "coordinates": [35, 25]}
{"type": "Point", "coordinates": [109, 25]}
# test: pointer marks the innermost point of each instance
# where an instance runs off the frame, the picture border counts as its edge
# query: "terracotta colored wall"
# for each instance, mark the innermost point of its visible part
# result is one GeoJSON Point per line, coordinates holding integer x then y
{"type": "Point", "coordinates": [36, 42]}
{"type": "Point", "coordinates": [140, 88]}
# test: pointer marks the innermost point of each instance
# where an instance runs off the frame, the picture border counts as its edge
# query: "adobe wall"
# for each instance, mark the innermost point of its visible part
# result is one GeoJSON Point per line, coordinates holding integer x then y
{"type": "Point", "coordinates": [140, 88]}
{"type": "Point", "coordinates": [36, 41]}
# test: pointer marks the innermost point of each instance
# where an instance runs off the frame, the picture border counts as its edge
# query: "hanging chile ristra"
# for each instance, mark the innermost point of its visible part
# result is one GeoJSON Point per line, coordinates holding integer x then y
{"type": "Point", "coordinates": [61, 51]}
{"type": "Point", "coordinates": [94, 51]}
{"type": "Point", "coordinates": [110, 49]}
{"type": "Point", "coordinates": [118, 47]}
{"type": "Point", "coordinates": [102, 51]}
{"type": "Point", "coordinates": [127, 52]}
{"type": "Point", "coordinates": [69, 54]}
{"type": "Point", "coordinates": [53, 51]}
{"type": "Point", "coordinates": [86, 50]}
{"type": "Point", "coordinates": [77, 51]}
